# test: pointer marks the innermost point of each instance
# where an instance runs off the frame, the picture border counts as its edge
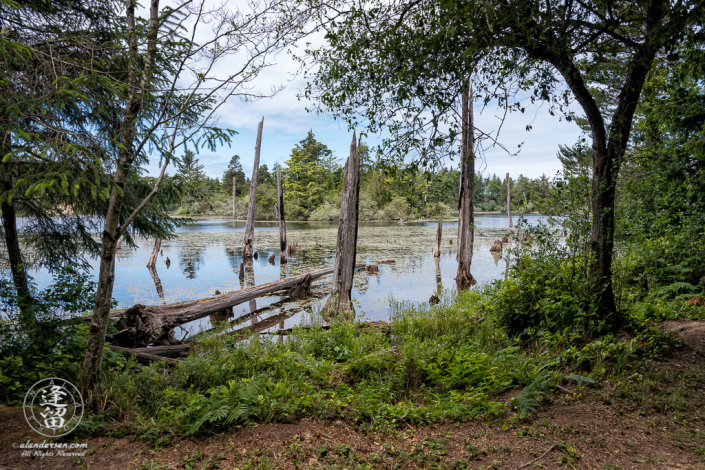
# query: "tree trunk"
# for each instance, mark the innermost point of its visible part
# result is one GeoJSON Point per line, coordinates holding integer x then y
{"type": "Point", "coordinates": [439, 233]}
{"type": "Point", "coordinates": [250, 227]}
{"type": "Point", "coordinates": [126, 130]}
{"type": "Point", "coordinates": [234, 200]}
{"type": "Point", "coordinates": [340, 300]}
{"type": "Point", "coordinates": [466, 217]}
{"type": "Point", "coordinates": [282, 221]}
{"type": "Point", "coordinates": [14, 253]}
{"type": "Point", "coordinates": [509, 203]}
{"type": "Point", "coordinates": [155, 253]}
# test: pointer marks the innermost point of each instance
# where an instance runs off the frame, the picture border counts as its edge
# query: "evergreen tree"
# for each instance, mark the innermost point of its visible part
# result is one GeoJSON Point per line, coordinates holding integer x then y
{"type": "Point", "coordinates": [234, 170]}
{"type": "Point", "coordinates": [306, 175]}
{"type": "Point", "coordinates": [191, 176]}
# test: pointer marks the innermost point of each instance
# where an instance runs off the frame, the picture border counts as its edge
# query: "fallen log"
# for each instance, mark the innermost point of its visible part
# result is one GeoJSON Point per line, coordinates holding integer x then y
{"type": "Point", "coordinates": [142, 357]}
{"type": "Point", "coordinates": [368, 324]}
{"type": "Point", "coordinates": [165, 351]}
{"type": "Point", "coordinates": [141, 325]}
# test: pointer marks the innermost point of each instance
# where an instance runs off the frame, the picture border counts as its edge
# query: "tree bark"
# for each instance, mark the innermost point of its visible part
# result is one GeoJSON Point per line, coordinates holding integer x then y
{"type": "Point", "coordinates": [112, 230]}
{"type": "Point", "coordinates": [439, 233]}
{"type": "Point", "coordinates": [14, 252]}
{"type": "Point", "coordinates": [466, 217]}
{"type": "Point", "coordinates": [250, 227]}
{"type": "Point", "coordinates": [282, 221]}
{"type": "Point", "coordinates": [509, 203]}
{"type": "Point", "coordinates": [346, 250]}
{"type": "Point", "coordinates": [155, 253]}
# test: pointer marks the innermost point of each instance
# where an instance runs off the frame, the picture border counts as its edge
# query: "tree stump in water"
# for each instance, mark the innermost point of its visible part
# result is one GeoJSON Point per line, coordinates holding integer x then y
{"type": "Point", "coordinates": [372, 269]}
{"type": "Point", "coordinates": [301, 290]}
{"type": "Point", "coordinates": [280, 216]}
{"type": "Point", "coordinates": [497, 246]}
{"type": "Point", "coordinates": [256, 255]}
{"type": "Point", "coordinates": [340, 295]}
{"type": "Point", "coordinates": [505, 239]}
{"type": "Point", "coordinates": [241, 275]}
{"type": "Point", "coordinates": [168, 262]}
{"type": "Point", "coordinates": [271, 260]}
{"type": "Point", "coordinates": [466, 201]}
{"type": "Point", "coordinates": [434, 300]}
{"type": "Point", "coordinates": [155, 251]}
{"type": "Point", "coordinates": [250, 227]}
{"type": "Point", "coordinates": [439, 234]}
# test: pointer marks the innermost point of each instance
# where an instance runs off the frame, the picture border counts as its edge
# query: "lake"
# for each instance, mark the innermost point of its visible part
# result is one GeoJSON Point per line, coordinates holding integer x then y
{"type": "Point", "coordinates": [206, 257]}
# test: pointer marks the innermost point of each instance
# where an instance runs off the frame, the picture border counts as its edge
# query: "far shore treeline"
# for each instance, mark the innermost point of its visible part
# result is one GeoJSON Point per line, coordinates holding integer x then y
{"type": "Point", "coordinates": [313, 178]}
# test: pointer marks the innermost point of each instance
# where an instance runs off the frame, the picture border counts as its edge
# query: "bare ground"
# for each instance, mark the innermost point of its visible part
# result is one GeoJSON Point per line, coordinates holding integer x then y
{"type": "Point", "coordinates": [638, 424]}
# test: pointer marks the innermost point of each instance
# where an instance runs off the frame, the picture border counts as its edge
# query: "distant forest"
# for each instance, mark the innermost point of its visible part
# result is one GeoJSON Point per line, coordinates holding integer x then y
{"type": "Point", "coordinates": [312, 180]}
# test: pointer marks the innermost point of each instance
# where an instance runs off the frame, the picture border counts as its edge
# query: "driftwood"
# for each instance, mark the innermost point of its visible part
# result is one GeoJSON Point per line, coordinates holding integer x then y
{"type": "Point", "coordinates": [346, 249]}
{"type": "Point", "coordinates": [142, 357]}
{"type": "Point", "coordinates": [141, 325]}
{"type": "Point", "coordinates": [497, 246]}
{"type": "Point", "coordinates": [439, 233]}
{"type": "Point", "coordinates": [280, 214]}
{"type": "Point", "coordinates": [250, 227]}
{"type": "Point", "coordinates": [155, 252]}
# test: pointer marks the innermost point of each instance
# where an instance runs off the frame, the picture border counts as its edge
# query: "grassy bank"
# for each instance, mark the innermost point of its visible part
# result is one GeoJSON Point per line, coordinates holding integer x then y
{"type": "Point", "coordinates": [447, 363]}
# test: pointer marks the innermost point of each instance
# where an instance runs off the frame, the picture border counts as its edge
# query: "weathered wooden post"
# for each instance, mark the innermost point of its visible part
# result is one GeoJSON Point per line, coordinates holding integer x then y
{"type": "Point", "coordinates": [234, 200]}
{"type": "Point", "coordinates": [155, 252]}
{"type": "Point", "coordinates": [466, 217]}
{"type": "Point", "coordinates": [340, 300]}
{"type": "Point", "coordinates": [250, 227]}
{"type": "Point", "coordinates": [439, 233]}
{"type": "Point", "coordinates": [509, 203]}
{"type": "Point", "coordinates": [282, 222]}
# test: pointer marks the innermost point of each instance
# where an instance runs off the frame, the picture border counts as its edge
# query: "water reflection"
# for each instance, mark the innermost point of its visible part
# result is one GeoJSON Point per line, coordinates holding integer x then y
{"type": "Point", "coordinates": [209, 260]}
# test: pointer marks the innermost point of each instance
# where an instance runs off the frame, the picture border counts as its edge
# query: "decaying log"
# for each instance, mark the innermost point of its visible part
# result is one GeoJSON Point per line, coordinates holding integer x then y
{"type": "Point", "coordinates": [221, 316]}
{"type": "Point", "coordinates": [439, 233]}
{"type": "Point", "coordinates": [383, 325]}
{"type": "Point", "coordinates": [497, 246]}
{"type": "Point", "coordinates": [137, 327]}
{"type": "Point", "coordinates": [177, 350]}
{"type": "Point", "coordinates": [372, 269]}
{"type": "Point", "coordinates": [250, 227]}
{"type": "Point", "coordinates": [155, 318]}
{"type": "Point", "coordinates": [387, 261]}
{"type": "Point", "coordinates": [142, 357]}
{"type": "Point", "coordinates": [280, 214]}
{"type": "Point", "coordinates": [346, 250]}
{"type": "Point", "coordinates": [155, 252]}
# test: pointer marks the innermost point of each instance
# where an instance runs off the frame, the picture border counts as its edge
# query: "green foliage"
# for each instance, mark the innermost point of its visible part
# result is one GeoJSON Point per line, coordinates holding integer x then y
{"type": "Point", "coordinates": [51, 345]}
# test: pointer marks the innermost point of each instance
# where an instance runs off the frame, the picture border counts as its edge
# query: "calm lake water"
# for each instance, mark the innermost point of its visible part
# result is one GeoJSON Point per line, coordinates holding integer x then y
{"type": "Point", "coordinates": [207, 254]}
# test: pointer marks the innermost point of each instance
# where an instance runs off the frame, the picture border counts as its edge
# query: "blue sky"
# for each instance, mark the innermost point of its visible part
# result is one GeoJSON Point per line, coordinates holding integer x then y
{"type": "Point", "coordinates": [287, 122]}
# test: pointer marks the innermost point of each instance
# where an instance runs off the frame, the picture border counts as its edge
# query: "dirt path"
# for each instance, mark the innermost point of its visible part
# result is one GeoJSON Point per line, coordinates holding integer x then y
{"type": "Point", "coordinates": [655, 422]}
